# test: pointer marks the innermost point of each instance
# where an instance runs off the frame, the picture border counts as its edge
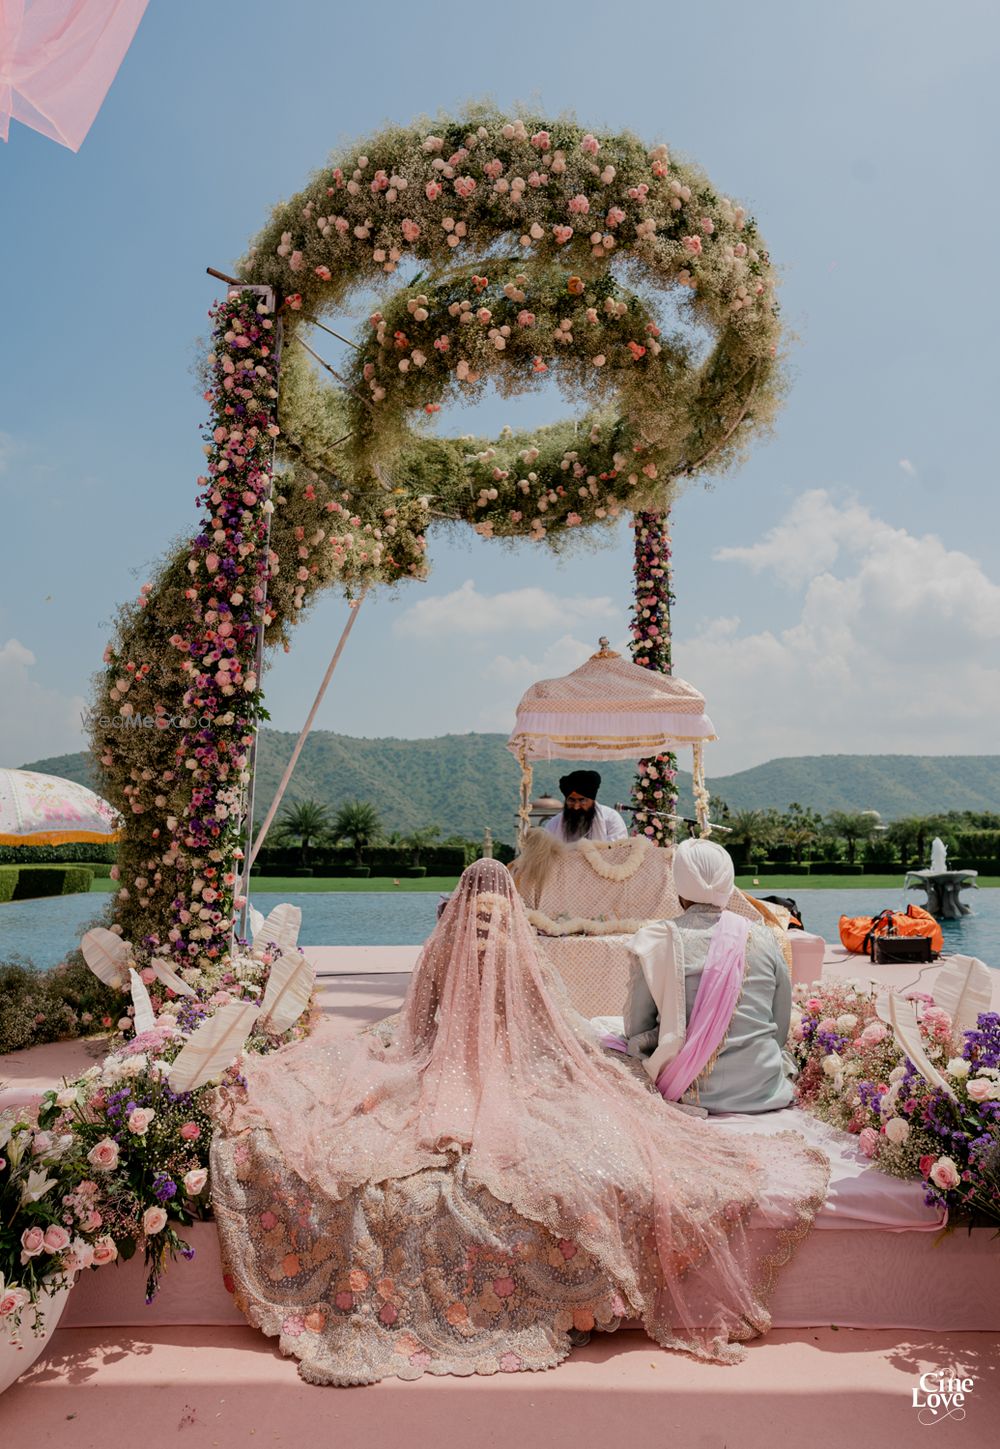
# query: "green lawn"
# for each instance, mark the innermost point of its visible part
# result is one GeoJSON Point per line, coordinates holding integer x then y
{"type": "Point", "coordinates": [789, 884]}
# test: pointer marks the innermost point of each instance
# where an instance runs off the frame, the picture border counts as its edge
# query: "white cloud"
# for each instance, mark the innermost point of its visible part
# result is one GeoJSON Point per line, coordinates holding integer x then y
{"type": "Point", "coordinates": [467, 612]}
{"type": "Point", "coordinates": [506, 677]}
{"type": "Point", "coordinates": [35, 721]}
{"type": "Point", "coordinates": [893, 651]}
{"type": "Point", "coordinates": [908, 467]}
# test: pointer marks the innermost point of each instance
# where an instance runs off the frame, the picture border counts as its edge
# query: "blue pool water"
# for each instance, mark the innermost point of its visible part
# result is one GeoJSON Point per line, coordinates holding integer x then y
{"type": "Point", "coordinates": [43, 931]}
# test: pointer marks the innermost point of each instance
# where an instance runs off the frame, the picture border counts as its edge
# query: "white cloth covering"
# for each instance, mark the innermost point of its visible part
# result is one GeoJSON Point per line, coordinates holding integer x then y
{"type": "Point", "coordinates": [607, 825]}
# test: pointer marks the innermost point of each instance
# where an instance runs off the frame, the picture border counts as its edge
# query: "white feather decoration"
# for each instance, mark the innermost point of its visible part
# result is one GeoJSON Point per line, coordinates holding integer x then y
{"type": "Point", "coordinates": [963, 989]}
{"type": "Point", "coordinates": [107, 955]}
{"type": "Point", "coordinates": [145, 1017]}
{"type": "Point", "coordinates": [255, 919]}
{"type": "Point", "coordinates": [168, 977]}
{"type": "Point", "coordinates": [281, 927]}
{"type": "Point", "coordinates": [901, 1015]}
{"type": "Point", "coordinates": [213, 1047]}
{"type": "Point", "coordinates": [286, 996]}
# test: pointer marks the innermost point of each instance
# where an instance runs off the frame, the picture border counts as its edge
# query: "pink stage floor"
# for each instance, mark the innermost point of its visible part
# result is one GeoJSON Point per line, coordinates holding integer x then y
{"type": "Point", "coordinates": [189, 1370]}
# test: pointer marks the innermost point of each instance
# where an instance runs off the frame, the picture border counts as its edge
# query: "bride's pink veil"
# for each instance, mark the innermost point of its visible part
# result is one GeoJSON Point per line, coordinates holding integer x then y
{"type": "Point", "coordinates": [489, 1069]}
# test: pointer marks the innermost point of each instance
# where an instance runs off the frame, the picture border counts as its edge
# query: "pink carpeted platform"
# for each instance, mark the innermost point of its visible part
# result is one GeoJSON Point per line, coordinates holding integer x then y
{"type": "Point", "coordinates": [220, 1388]}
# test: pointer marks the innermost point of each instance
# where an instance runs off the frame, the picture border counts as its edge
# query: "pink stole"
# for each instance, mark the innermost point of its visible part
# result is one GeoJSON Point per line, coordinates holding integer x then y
{"type": "Point", "coordinates": [718, 994]}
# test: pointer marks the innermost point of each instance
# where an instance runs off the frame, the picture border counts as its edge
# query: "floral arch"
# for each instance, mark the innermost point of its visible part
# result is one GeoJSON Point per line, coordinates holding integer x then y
{"type": "Point", "coordinates": [538, 248]}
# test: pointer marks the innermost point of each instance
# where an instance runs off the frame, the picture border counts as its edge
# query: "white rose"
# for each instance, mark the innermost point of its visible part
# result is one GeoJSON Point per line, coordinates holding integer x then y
{"type": "Point", "coordinates": [897, 1129]}
{"type": "Point", "coordinates": [957, 1067]}
{"type": "Point", "coordinates": [66, 1098]}
{"type": "Point", "coordinates": [831, 1064]}
{"type": "Point", "coordinates": [898, 1073]}
{"type": "Point", "coordinates": [847, 1022]}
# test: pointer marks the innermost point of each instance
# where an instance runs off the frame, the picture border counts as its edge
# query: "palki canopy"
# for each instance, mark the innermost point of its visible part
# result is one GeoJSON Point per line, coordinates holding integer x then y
{"type": "Point", "coordinates": [610, 709]}
{"type": "Point", "coordinates": [38, 809]}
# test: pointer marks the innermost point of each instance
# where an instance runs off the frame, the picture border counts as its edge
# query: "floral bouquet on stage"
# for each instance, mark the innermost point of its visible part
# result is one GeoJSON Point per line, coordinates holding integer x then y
{"type": "Point", "coordinates": [51, 1225]}
{"type": "Point", "coordinates": [937, 1118]}
{"type": "Point", "coordinates": [141, 1120]}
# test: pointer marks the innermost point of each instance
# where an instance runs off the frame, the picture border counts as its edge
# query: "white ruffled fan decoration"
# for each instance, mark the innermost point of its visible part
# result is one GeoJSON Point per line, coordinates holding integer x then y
{"type": "Point", "coordinates": [218, 1041]}
{"type": "Point", "coordinates": [964, 989]}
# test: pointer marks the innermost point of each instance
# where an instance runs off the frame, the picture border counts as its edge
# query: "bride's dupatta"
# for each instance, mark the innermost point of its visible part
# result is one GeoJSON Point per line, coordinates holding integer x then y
{"type": "Point", "coordinates": [461, 1197]}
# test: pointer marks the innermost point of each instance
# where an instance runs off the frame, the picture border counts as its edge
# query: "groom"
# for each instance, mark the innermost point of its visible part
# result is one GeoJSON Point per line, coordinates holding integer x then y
{"type": "Point", "coordinates": [710, 996]}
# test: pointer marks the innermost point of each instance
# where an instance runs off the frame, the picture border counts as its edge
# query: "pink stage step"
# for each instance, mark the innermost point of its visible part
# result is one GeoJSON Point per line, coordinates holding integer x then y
{"type": "Point", "coordinates": [227, 1388]}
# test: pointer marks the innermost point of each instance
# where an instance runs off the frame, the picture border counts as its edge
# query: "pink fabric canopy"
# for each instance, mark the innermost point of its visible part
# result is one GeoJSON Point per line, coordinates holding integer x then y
{"type": "Point", "coordinates": [57, 60]}
{"type": "Point", "coordinates": [608, 709]}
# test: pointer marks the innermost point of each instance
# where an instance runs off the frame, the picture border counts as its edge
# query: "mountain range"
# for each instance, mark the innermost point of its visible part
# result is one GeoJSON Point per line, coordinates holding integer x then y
{"type": "Point", "coordinates": [465, 782]}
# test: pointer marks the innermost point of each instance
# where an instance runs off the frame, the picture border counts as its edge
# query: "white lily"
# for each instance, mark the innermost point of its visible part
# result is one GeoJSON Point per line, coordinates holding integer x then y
{"type": "Point", "coordinates": [36, 1186]}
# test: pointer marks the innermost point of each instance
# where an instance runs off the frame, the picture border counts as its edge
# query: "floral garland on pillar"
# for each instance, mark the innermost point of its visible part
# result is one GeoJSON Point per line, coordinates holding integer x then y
{"type": "Point", "coordinates": [654, 789]}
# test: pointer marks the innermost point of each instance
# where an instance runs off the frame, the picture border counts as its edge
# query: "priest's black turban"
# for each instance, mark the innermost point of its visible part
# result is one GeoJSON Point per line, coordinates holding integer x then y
{"type": "Point", "coordinates": [583, 782]}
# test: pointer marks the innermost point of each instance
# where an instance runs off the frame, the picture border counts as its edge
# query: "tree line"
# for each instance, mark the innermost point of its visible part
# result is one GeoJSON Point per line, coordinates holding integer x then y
{"type": "Point", "coordinates": [801, 834]}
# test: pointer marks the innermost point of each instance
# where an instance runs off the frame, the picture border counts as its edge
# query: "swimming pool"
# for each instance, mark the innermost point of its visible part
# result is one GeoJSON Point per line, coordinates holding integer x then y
{"type": "Point", "coordinates": [43, 931]}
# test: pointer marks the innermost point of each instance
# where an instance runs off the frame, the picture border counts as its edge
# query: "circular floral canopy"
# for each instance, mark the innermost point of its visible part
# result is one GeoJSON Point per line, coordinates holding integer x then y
{"type": "Point", "coordinates": [516, 248]}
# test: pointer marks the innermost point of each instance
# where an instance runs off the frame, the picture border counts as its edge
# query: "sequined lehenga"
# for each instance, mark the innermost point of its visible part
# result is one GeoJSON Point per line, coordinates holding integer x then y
{"type": "Point", "coordinates": [471, 1189]}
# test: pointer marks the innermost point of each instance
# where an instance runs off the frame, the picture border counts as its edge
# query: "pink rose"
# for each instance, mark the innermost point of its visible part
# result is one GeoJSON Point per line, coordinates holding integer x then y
{"type": "Point", "coordinates": [139, 1120]}
{"type": "Point", "coordinates": [579, 205]}
{"type": "Point", "coordinates": [190, 1131]}
{"type": "Point", "coordinates": [56, 1239]}
{"type": "Point", "coordinates": [827, 1024]}
{"type": "Point", "coordinates": [32, 1243]}
{"type": "Point", "coordinates": [692, 244]}
{"type": "Point", "coordinates": [105, 1251]}
{"type": "Point", "coordinates": [925, 1164]}
{"type": "Point", "coordinates": [980, 1089]}
{"type": "Point", "coordinates": [154, 1220]}
{"type": "Point", "coordinates": [814, 1005]}
{"type": "Point", "coordinates": [195, 1180]}
{"type": "Point", "coordinates": [868, 1141]}
{"type": "Point", "coordinates": [873, 1033]}
{"type": "Point", "coordinates": [944, 1174]}
{"type": "Point", "coordinates": [11, 1300]}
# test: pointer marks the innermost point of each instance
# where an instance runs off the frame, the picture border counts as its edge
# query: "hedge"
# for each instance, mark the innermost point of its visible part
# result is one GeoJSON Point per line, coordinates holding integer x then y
{"type": "Point", "coordinates": [35, 881]}
{"type": "Point", "coordinates": [81, 851]}
{"type": "Point", "coordinates": [8, 884]}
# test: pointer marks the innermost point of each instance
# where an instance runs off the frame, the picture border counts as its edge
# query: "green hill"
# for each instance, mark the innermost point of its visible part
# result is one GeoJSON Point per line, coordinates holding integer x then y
{"type": "Point", "coordinates": [465, 782]}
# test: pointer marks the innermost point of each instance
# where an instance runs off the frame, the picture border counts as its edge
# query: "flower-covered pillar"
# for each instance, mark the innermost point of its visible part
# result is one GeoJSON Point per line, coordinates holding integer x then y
{"type": "Point", "coordinates": [654, 789]}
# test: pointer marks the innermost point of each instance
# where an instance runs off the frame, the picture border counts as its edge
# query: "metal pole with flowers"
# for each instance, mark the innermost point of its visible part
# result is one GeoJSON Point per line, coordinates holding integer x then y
{"type": "Point", "coordinates": [229, 565]}
{"type": "Point", "coordinates": [653, 791]}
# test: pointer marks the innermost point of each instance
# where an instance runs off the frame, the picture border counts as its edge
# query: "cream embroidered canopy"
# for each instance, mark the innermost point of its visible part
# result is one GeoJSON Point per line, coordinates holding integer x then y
{"type": "Point", "coordinates": [610, 709]}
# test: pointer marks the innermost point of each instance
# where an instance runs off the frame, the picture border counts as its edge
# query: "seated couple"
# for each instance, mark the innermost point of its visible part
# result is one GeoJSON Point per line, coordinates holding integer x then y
{"type": "Point", "coordinates": [710, 996]}
{"type": "Point", "coordinates": [475, 1185]}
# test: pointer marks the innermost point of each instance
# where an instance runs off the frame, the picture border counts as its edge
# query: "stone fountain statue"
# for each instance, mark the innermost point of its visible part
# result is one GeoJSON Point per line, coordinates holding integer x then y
{"type": "Point", "coordinates": [941, 884]}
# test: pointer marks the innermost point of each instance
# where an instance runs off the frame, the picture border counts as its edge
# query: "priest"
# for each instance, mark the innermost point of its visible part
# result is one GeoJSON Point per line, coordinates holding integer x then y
{"type": "Point", "coordinates": [710, 997]}
{"type": "Point", "coordinates": [581, 818]}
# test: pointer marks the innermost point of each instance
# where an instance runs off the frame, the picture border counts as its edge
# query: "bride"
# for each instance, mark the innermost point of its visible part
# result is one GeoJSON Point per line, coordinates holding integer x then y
{"type": "Point", "coordinates": [477, 1185]}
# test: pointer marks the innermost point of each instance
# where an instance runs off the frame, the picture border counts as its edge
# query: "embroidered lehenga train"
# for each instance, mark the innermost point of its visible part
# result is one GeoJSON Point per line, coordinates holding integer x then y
{"type": "Point", "coordinates": [469, 1190]}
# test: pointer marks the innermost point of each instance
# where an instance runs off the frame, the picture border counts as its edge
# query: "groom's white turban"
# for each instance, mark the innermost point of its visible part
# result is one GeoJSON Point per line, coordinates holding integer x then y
{"type": "Point", "coordinates": [703, 871]}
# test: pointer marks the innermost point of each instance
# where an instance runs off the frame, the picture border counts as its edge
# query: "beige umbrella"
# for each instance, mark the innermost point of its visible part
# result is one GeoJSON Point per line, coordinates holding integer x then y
{"type": "Point", "coordinates": [38, 809]}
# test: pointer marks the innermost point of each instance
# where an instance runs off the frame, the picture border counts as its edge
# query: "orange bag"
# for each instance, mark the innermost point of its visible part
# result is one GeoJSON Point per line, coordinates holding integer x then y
{"type": "Point", "coordinates": [914, 921]}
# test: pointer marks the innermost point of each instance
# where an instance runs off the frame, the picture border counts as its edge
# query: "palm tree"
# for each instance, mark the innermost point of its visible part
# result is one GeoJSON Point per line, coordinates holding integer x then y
{"type": "Point", "coordinates": [749, 828]}
{"type": "Point", "coordinates": [308, 822]}
{"type": "Point", "coordinates": [420, 840]}
{"type": "Point", "coordinates": [851, 826]}
{"type": "Point", "coordinates": [358, 822]}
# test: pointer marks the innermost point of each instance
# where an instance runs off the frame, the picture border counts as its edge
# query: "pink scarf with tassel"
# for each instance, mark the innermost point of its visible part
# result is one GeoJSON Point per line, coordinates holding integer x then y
{"type": "Point", "coordinates": [718, 994]}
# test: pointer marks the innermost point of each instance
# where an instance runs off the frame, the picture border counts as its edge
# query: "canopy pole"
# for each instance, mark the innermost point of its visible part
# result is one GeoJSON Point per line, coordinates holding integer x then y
{"type": "Point", "coordinates": [524, 807]}
{"type": "Point", "coordinates": [702, 798]}
{"type": "Point", "coordinates": [354, 606]}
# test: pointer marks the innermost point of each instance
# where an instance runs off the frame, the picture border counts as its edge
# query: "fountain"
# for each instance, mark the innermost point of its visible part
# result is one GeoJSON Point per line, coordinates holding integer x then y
{"type": "Point", "coordinates": [941, 884]}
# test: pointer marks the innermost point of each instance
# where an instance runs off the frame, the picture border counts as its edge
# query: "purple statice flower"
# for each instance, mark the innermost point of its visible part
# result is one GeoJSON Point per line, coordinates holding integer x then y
{"type": "Point", "coordinates": [982, 1044]}
{"type": "Point", "coordinates": [164, 1188]}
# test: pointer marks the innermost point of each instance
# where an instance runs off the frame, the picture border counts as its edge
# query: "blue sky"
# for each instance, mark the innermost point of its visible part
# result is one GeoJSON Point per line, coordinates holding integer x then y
{"type": "Point", "coordinates": [839, 593]}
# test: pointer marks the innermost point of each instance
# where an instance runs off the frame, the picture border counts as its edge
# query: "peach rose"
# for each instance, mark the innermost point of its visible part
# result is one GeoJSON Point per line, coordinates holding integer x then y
{"type": "Point", "coordinates": [32, 1243]}
{"type": "Point", "coordinates": [154, 1220]}
{"type": "Point", "coordinates": [104, 1155]}
{"type": "Point", "coordinates": [944, 1174]}
{"type": "Point", "coordinates": [105, 1251]}
{"type": "Point", "coordinates": [56, 1239]}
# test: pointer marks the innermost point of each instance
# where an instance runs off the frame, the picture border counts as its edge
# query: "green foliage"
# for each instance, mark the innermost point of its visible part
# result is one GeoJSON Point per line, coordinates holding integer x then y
{"type": "Point", "coordinates": [308, 822]}
{"type": "Point", "coordinates": [51, 880]}
{"type": "Point", "coordinates": [41, 1006]}
{"type": "Point", "coordinates": [357, 822]}
{"type": "Point", "coordinates": [86, 853]}
{"type": "Point", "coordinates": [8, 884]}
